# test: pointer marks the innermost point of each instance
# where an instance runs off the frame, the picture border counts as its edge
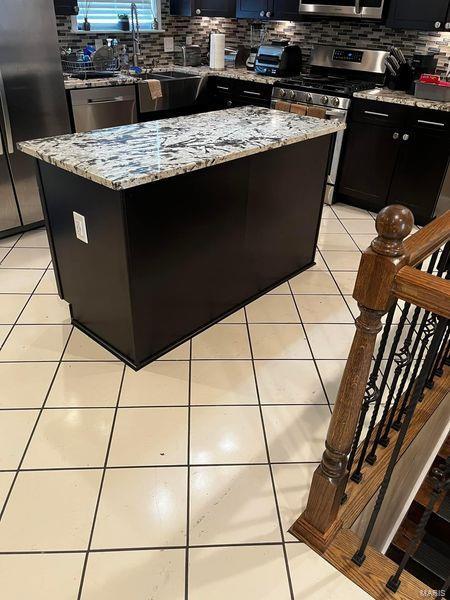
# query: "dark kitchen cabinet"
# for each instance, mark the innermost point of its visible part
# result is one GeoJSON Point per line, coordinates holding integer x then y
{"type": "Point", "coordinates": [66, 7]}
{"type": "Point", "coordinates": [423, 15]}
{"type": "Point", "coordinates": [286, 10]}
{"type": "Point", "coordinates": [421, 165]}
{"type": "Point", "coordinates": [254, 9]}
{"type": "Point", "coordinates": [203, 8]}
{"type": "Point", "coordinates": [368, 162]}
{"type": "Point", "coordinates": [394, 154]}
{"type": "Point", "coordinates": [225, 92]}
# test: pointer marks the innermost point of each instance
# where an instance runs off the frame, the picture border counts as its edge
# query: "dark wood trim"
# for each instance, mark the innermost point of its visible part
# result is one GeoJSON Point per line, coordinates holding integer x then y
{"type": "Point", "coordinates": [424, 290]}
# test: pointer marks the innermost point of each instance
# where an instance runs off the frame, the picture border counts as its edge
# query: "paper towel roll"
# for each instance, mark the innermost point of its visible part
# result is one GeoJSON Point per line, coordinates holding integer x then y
{"type": "Point", "coordinates": [217, 51]}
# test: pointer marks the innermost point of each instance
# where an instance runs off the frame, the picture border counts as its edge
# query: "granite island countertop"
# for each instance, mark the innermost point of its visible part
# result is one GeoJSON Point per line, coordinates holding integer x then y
{"type": "Point", "coordinates": [399, 97]}
{"type": "Point", "coordinates": [232, 72]}
{"type": "Point", "coordinates": [131, 155]}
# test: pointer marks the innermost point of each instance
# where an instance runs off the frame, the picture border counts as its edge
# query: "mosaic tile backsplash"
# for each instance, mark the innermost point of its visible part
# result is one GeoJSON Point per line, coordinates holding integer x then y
{"type": "Point", "coordinates": [237, 31]}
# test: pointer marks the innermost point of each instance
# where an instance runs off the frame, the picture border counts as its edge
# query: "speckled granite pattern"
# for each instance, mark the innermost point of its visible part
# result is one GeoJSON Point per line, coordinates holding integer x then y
{"type": "Point", "coordinates": [398, 97]}
{"type": "Point", "coordinates": [77, 84]}
{"type": "Point", "coordinates": [131, 155]}
{"type": "Point", "coordinates": [233, 73]}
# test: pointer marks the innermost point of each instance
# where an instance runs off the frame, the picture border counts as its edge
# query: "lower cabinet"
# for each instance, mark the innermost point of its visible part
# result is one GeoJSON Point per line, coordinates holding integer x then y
{"type": "Point", "coordinates": [225, 92]}
{"type": "Point", "coordinates": [394, 155]}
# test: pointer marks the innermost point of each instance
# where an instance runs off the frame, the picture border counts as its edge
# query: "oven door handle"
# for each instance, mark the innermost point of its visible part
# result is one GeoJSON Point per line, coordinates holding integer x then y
{"type": "Point", "coordinates": [338, 113]}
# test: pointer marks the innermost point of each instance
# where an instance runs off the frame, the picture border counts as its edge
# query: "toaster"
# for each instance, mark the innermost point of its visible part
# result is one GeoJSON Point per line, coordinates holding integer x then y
{"type": "Point", "coordinates": [278, 59]}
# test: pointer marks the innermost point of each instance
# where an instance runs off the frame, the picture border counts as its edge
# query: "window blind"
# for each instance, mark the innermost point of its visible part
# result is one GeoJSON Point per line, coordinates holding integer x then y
{"type": "Point", "coordinates": [103, 14]}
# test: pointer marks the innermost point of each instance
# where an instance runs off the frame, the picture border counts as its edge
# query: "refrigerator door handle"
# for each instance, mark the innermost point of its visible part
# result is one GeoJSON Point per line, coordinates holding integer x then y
{"type": "Point", "coordinates": [2, 152]}
{"type": "Point", "coordinates": [4, 107]}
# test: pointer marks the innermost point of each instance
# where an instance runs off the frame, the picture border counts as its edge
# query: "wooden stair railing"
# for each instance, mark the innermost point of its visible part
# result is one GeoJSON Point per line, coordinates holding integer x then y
{"type": "Point", "coordinates": [385, 275]}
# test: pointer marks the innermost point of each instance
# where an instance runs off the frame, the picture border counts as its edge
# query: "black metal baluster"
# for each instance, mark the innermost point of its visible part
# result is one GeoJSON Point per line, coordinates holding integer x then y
{"type": "Point", "coordinates": [359, 555]}
{"type": "Point", "coordinates": [441, 483]}
{"type": "Point", "coordinates": [372, 394]}
{"type": "Point", "coordinates": [357, 474]}
{"type": "Point", "coordinates": [426, 330]}
{"type": "Point", "coordinates": [438, 368]}
{"type": "Point", "coordinates": [407, 364]}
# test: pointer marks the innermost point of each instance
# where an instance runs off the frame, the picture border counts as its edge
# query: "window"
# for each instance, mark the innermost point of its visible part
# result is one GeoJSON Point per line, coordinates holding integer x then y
{"type": "Point", "coordinates": [103, 15]}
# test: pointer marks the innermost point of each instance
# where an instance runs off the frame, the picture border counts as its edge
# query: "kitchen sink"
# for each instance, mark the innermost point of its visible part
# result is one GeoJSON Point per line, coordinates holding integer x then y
{"type": "Point", "coordinates": [179, 90]}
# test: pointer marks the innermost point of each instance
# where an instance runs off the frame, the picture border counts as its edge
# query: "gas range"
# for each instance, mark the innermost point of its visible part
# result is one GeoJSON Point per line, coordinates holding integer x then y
{"type": "Point", "coordinates": [331, 91]}
{"type": "Point", "coordinates": [326, 92]}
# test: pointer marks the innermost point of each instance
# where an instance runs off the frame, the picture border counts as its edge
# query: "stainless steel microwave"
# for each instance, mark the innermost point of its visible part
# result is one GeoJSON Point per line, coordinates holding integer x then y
{"type": "Point", "coordinates": [357, 9]}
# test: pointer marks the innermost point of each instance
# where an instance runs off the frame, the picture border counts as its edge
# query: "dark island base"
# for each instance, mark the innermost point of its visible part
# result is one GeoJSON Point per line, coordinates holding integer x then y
{"type": "Point", "coordinates": [168, 259]}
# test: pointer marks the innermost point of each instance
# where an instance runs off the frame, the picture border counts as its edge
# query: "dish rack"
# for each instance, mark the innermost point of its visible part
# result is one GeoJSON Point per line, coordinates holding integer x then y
{"type": "Point", "coordinates": [88, 69]}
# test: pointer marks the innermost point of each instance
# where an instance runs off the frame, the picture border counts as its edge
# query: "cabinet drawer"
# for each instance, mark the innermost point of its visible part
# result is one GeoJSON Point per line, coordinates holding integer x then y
{"type": "Point", "coordinates": [222, 86]}
{"type": "Point", "coordinates": [253, 90]}
{"type": "Point", "coordinates": [430, 120]}
{"type": "Point", "coordinates": [380, 113]}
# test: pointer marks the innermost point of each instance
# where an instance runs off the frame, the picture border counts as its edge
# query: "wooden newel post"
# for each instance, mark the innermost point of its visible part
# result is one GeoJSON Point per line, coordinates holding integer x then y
{"type": "Point", "coordinates": [379, 264]}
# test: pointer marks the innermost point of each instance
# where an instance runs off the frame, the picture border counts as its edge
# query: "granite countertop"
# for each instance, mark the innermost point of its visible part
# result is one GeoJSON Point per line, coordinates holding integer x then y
{"type": "Point", "coordinates": [399, 97]}
{"type": "Point", "coordinates": [131, 155]}
{"type": "Point", "coordinates": [232, 72]}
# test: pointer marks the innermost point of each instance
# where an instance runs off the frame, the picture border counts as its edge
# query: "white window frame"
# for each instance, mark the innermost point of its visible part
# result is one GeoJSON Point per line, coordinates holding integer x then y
{"type": "Point", "coordinates": [78, 19]}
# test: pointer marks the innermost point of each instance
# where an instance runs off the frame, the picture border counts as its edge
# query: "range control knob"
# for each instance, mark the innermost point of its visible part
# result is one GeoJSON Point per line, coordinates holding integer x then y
{"type": "Point", "coordinates": [282, 93]}
{"type": "Point", "coordinates": [292, 94]}
{"type": "Point", "coordinates": [325, 99]}
{"type": "Point", "coordinates": [308, 98]}
{"type": "Point", "coordinates": [335, 101]}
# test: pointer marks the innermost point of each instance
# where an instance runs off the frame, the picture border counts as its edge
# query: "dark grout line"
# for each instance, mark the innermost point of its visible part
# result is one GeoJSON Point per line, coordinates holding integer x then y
{"type": "Point", "coordinates": [102, 480]}
{"type": "Point", "coordinates": [33, 430]}
{"type": "Point", "coordinates": [188, 491]}
{"type": "Point", "coordinates": [272, 478]}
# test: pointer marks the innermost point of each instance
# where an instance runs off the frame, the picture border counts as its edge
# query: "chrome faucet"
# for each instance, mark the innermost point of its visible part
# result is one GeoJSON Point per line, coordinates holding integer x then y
{"type": "Point", "coordinates": [135, 34]}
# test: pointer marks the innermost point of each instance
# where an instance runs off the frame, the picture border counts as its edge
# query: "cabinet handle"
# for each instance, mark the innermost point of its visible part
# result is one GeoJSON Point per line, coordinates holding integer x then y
{"type": "Point", "coordinates": [198, 12]}
{"type": "Point", "coordinates": [376, 114]}
{"type": "Point", "coordinates": [396, 135]}
{"type": "Point", "coordinates": [249, 93]}
{"type": "Point", "coordinates": [229, 103]}
{"type": "Point", "coordinates": [437, 25]}
{"type": "Point", "coordinates": [447, 26]}
{"type": "Point", "coordinates": [405, 137]}
{"type": "Point", "coordinates": [434, 123]}
{"type": "Point", "coordinates": [262, 13]}
{"type": "Point", "coordinates": [223, 87]}
{"type": "Point", "coordinates": [268, 14]}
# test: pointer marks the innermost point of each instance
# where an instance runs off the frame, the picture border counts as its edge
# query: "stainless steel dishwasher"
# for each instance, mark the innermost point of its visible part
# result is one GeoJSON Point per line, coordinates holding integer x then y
{"type": "Point", "coordinates": [98, 108]}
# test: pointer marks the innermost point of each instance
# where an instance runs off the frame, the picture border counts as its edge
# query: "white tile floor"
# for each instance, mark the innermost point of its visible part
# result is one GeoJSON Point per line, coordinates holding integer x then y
{"type": "Point", "coordinates": [179, 481]}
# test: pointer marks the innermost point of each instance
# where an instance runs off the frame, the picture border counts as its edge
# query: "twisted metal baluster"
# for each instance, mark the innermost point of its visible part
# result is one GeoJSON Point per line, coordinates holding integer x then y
{"type": "Point", "coordinates": [372, 394]}
{"type": "Point", "coordinates": [357, 474]}
{"type": "Point", "coordinates": [359, 556]}
{"type": "Point", "coordinates": [427, 330]}
{"type": "Point", "coordinates": [441, 483]}
{"type": "Point", "coordinates": [404, 362]}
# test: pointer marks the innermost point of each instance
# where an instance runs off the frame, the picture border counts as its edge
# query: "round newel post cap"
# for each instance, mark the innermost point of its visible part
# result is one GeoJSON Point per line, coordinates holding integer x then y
{"type": "Point", "coordinates": [394, 223]}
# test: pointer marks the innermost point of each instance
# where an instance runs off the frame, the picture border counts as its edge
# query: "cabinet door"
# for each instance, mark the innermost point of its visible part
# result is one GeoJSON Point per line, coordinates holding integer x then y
{"type": "Point", "coordinates": [425, 15]}
{"type": "Point", "coordinates": [368, 163]}
{"type": "Point", "coordinates": [286, 10]}
{"type": "Point", "coordinates": [420, 171]}
{"type": "Point", "coordinates": [214, 8]}
{"type": "Point", "coordinates": [254, 9]}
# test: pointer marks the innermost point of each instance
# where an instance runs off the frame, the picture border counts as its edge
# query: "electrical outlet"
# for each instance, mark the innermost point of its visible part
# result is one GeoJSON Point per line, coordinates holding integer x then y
{"type": "Point", "coordinates": [189, 40]}
{"type": "Point", "coordinates": [80, 227]}
{"type": "Point", "coordinates": [168, 44]}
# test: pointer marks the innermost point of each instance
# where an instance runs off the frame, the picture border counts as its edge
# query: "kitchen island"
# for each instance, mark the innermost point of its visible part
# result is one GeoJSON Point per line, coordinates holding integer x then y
{"type": "Point", "coordinates": [185, 220]}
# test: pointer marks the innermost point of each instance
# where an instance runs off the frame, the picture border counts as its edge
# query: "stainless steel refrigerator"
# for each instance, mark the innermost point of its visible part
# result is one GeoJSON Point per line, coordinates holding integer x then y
{"type": "Point", "coordinates": [32, 104]}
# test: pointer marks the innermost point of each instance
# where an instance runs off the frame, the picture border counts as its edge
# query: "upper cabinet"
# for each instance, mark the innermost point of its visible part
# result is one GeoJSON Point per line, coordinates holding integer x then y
{"type": "Point", "coordinates": [203, 8]}
{"type": "Point", "coordinates": [254, 9]}
{"type": "Point", "coordinates": [66, 7]}
{"type": "Point", "coordinates": [286, 10]}
{"type": "Point", "coordinates": [423, 15]}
